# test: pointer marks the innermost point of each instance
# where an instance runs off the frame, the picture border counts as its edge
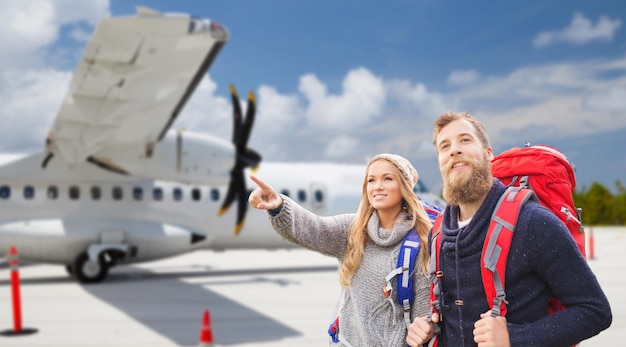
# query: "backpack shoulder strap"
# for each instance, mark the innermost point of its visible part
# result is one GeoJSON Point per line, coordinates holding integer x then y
{"type": "Point", "coordinates": [435, 239]}
{"type": "Point", "coordinates": [435, 272]}
{"type": "Point", "coordinates": [497, 245]}
{"type": "Point", "coordinates": [406, 260]}
{"type": "Point", "coordinates": [435, 275]}
{"type": "Point", "coordinates": [404, 274]}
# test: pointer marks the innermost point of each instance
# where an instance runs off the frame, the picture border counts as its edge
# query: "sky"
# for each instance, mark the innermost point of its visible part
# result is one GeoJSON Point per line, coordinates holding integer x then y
{"type": "Point", "coordinates": [340, 81]}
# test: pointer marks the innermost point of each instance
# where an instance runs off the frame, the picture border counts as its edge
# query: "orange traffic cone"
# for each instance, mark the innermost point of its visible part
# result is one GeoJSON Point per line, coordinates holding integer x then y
{"type": "Point", "coordinates": [206, 333]}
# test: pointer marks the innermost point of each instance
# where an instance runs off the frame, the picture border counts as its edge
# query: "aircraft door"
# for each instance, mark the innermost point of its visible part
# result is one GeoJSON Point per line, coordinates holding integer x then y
{"type": "Point", "coordinates": [319, 197]}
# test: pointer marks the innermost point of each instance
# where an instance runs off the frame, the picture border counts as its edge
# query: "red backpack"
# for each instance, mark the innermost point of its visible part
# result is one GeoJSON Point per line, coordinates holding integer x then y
{"type": "Point", "coordinates": [539, 172]}
{"type": "Point", "coordinates": [550, 175]}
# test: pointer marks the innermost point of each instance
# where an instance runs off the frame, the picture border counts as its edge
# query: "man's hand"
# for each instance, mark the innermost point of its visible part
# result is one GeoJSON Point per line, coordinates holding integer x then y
{"type": "Point", "coordinates": [491, 331]}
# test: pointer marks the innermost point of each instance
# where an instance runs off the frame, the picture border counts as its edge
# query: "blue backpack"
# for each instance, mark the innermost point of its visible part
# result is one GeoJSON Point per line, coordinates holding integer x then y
{"type": "Point", "coordinates": [403, 273]}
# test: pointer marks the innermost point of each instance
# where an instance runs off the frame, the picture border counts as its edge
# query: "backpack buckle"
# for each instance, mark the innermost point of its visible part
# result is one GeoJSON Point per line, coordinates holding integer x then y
{"type": "Point", "coordinates": [497, 301]}
{"type": "Point", "coordinates": [387, 290]}
{"type": "Point", "coordinates": [406, 306]}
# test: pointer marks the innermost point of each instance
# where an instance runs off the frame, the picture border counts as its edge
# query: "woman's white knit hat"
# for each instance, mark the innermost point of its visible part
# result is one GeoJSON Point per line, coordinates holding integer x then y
{"type": "Point", "coordinates": [409, 172]}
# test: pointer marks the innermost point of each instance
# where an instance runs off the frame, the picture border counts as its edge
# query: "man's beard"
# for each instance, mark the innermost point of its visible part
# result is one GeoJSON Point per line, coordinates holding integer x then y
{"type": "Point", "coordinates": [461, 189]}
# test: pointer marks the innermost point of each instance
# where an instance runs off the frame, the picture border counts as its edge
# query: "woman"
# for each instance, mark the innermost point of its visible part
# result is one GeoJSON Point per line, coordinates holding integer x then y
{"type": "Point", "coordinates": [367, 245]}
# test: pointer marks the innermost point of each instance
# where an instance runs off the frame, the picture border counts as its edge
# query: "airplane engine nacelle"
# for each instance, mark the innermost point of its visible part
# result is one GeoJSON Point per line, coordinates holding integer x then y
{"type": "Point", "coordinates": [180, 156]}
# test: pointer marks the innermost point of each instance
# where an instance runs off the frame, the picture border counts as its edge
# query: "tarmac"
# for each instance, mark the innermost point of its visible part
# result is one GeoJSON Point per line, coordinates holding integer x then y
{"type": "Point", "coordinates": [255, 298]}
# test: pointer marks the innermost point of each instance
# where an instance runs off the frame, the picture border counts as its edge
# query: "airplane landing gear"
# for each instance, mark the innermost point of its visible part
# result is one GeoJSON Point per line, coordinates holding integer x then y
{"type": "Point", "coordinates": [88, 271]}
{"type": "Point", "coordinates": [92, 265]}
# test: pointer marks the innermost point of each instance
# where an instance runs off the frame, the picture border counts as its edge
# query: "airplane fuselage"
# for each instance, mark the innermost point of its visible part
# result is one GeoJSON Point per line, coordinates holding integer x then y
{"type": "Point", "coordinates": [82, 205]}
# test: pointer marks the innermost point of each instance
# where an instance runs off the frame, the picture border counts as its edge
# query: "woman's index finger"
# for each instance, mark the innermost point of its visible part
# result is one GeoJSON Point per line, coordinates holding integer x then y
{"type": "Point", "coordinates": [260, 183]}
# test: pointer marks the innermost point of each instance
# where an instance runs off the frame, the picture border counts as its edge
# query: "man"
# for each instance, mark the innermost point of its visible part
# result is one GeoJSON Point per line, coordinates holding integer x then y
{"type": "Point", "coordinates": [543, 259]}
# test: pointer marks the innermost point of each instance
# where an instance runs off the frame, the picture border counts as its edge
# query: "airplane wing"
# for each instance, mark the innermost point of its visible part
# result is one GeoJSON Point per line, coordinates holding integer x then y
{"type": "Point", "coordinates": [133, 79]}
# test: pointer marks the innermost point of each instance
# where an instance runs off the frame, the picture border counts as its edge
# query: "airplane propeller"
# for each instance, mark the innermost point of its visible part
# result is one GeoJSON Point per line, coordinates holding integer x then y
{"type": "Point", "coordinates": [244, 158]}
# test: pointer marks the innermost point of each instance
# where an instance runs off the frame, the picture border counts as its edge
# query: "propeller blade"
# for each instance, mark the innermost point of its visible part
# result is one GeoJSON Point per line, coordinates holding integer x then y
{"type": "Point", "coordinates": [242, 200]}
{"type": "Point", "coordinates": [237, 187]}
{"type": "Point", "coordinates": [230, 195]}
{"type": "Point", "coordinates": [237, 121]}
{"type": "Point", "coordinates": [248, 122]}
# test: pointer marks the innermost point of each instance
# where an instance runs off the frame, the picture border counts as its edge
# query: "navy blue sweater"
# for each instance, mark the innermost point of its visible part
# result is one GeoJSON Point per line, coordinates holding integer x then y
{"type": "Point", "coordinates": [543, 259]}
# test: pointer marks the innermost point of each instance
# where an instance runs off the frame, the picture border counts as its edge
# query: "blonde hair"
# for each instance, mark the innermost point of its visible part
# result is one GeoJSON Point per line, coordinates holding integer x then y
{"type": "Point", "coordinates": [357, 233]}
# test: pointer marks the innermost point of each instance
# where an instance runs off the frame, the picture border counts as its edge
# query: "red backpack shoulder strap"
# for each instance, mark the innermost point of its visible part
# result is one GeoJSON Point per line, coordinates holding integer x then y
{"type": "Point", "coordinates": [435, 240]}
{"type": "Point", "coordinates": [435, 272]}
{"type": "Point", "coordinates": [497, 245]}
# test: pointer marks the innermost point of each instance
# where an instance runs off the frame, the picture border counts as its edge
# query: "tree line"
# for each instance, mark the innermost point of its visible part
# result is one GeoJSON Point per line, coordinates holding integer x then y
{"type": "Point", "coordinates": [600, 206]}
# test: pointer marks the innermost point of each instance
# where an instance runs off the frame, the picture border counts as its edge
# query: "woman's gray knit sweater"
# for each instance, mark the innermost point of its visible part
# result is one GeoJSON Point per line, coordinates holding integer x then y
{"type": "Point", "coordinates": [367, 317]}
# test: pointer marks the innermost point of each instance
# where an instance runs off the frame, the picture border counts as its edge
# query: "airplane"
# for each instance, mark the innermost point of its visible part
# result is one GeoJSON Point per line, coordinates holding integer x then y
{"type": "Point", "coordinates": [114, 184]}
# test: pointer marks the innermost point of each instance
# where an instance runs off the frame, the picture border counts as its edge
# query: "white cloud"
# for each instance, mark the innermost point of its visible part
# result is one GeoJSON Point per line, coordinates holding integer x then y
{"type": "Point", "coordinates": [361, 101]}
{"type": "Point", "coordinates": [29, 26]}
{"type": "Point", "coordinates": [341, 147]}
{"type": "Point", "coordinates": [611, 100]}
{"type": "Point", "coordinates": [557, 100]}
{"type": "Point", "coordinates": [29, 101]}
{"type": "Point", "coordinates": [80, 34]}
{"type": "Point", "coordinates": [207, 112]}
{"type": "Point", "coordinates": [580, 31]}
{"type": "Point", "coordinates": [568, 99]}
{"type": "Point", "coordinates": [417, 97]}
{"type": "Point", "coordinates": [78, 10]}
{"type": "Point", "coordinates": [278, 113]}
{"type": "Point", "coordinates": [463, 77]}
{"type": "Point", "coordinates": [544, 39]}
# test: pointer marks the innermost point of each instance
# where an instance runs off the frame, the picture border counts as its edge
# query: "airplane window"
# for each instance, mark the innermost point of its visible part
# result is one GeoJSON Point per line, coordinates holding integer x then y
{"type": "Point", "coordinates": [285, 192]}
{"type": "Point", "coordinates": [157, 193]}
{"type": "Point", "coordinates": [29, 192]}
{"type": "Point", "coordinates": [118, 194]}
{"type": "Point", "coordinates": [215, 194]}
{"type": "Point", "coordinates": [53, 192]}
{"type": "Point", "coordinates": [74, 192]}
{"type": "Point", "coordinates": [319, 196]}
{"type": "Point", "coordinates": [177, 193]}
{"type": "Point", "coordinates": [96, 193]}
{"type": "Point", "coordinates": [138, 193]}
{"type": "Point", "coordinates": [5, 192]}
{"type": "Point", "coordinates": [302, 195]}
{"type": "Point", "coordinates": [195, 194]}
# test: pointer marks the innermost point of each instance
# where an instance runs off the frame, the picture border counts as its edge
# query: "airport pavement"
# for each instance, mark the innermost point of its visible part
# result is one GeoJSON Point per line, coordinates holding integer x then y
{"type": "Point", "coordinates": [255, 298]}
